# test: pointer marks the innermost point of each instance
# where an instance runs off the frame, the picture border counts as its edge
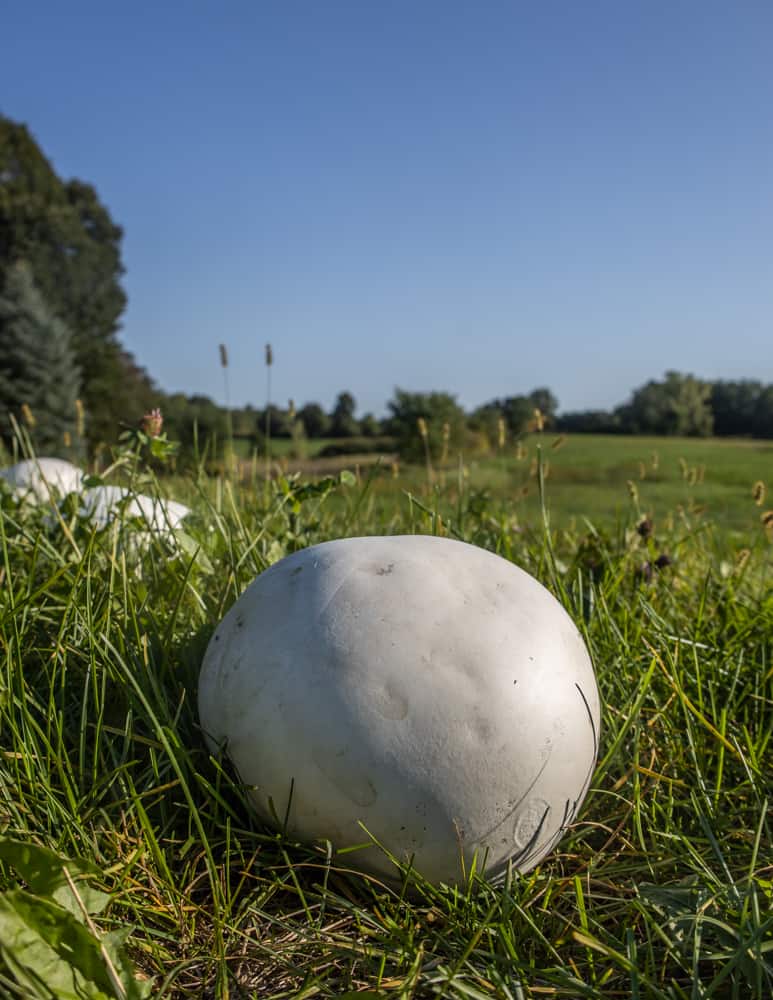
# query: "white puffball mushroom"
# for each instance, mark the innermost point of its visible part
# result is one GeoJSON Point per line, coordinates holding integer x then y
{"type": "Point", "coordinates": [103, 503]}
{"type": "Point", "coordinates": [38, 478]}
{"type": "Point", "coordinates": [422, 687]}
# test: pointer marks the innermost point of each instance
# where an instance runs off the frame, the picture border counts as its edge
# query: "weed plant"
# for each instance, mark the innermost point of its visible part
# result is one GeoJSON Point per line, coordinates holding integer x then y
{"type": "Point", "coordinates": [131, 866]}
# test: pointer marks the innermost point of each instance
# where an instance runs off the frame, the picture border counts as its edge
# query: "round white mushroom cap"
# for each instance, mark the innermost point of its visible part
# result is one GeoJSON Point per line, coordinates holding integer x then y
{"type": "Point", "coordinates": [38, 478]}
{"type": "Point", "coordinates": [103, 503]}
{"type": "Point", "coordinates": [417, 688]}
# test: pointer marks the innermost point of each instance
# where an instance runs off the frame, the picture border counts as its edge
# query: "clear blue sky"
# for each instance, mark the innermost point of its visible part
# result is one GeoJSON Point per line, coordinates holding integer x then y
{"type": "Point", "coordinates": [479, 197]}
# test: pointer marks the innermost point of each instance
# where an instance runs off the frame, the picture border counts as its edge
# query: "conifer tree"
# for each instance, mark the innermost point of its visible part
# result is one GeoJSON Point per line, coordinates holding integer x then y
{"type": "Point", "coordinates": [37, 366]}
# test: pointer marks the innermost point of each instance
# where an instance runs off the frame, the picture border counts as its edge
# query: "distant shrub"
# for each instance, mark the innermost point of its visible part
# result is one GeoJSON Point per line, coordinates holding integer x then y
{"type": "Point", "coordinates": [359, 446]}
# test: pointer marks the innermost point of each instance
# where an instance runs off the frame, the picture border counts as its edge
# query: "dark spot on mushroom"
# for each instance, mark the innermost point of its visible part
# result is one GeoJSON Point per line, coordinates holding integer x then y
{"type": "Point", "coordinates": [531, 658]}
{"type": "Point", "coordinates": [515, 681]}
{"type": "Point", "coordinates": [385, 570]}
{"type": "Point", "coordinates": [390, 703]}
{"type": "Point", "coordinates": [297, 570]}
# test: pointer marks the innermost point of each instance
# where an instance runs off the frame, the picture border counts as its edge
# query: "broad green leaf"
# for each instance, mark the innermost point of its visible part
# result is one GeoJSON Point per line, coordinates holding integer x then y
{"type": "Point", "coordinates": [94, 900]}
{"type": "Point", "coordinates": [113, 942]}
{"type": "Point", "coordinates": [43, 870]}
{"type": "Point", "coordinates": [45, 944]}
{"type": "Point", "coordinates": [40, 867]}
{"type": "Point", "coordinates": [50, 950]}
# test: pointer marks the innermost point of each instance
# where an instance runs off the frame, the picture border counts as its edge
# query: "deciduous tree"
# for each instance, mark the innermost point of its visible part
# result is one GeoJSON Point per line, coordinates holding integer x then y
{"type": "Point", "coordinates": [679, 405]}
{"type": "Point", "coordinates": [443, 418]}
{"type": "Point", "coordinates": [316, 422]}
{"type": "Point", "coordinates": [67, 236]}
{"type": "Point", "coordinates": [342, 420]}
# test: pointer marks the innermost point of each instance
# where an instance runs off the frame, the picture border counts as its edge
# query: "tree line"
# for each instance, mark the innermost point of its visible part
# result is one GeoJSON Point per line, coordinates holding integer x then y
{"type": "Point", "coordinates": [65, 376]}
{"type": "Point", "coordinates": [418, 423]}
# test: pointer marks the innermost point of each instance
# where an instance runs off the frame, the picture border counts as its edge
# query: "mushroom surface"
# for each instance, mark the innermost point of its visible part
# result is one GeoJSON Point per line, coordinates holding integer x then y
{"type": "Point", "coordinates": [103, 503]}
{"type": "Point", "coordinates": [37, 478]}
{"type": "Point", "coordinates": [417, 690]}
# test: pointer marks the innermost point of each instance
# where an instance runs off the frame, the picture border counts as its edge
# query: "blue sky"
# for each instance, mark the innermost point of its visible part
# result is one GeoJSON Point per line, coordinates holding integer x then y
{"type": "Point", "coordinates": [478, 197]}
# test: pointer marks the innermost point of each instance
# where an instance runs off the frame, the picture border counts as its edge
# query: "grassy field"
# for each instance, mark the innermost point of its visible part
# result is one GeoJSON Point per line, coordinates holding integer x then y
{"type": "Point", "coordinates": [603, 480]}
{"type": "Point", "coordinates": [131, 866]}
{"type": "Point", "coordinates": [590, 475]}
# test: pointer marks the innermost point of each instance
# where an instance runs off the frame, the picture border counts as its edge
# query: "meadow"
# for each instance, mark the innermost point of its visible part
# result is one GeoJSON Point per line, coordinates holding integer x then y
{"type": "Point", "coordinates": [601, 479]}
{"type": "Point", "coordinates": [131, 866]}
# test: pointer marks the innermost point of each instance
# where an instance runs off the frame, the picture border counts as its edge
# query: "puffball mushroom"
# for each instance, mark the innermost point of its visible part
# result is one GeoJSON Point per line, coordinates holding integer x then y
{"type": "Point", "coordinates": [102, 503]}
{"type": "Point", "coordinates": [37, 478]}
{"type": "Point", "coordinates": [416, 689]}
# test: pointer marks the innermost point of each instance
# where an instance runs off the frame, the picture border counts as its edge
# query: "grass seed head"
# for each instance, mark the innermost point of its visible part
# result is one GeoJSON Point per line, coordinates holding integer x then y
{"type": "Point", "coordinates": [80, 418]}
{"type": "Point", "coordinates": [741, 560]}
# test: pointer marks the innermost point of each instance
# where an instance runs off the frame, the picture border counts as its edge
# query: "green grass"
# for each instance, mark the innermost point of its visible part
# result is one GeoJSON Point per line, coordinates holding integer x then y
{"type": "Point", "coordinates": [663, 887]}
{"type": "Point", "coordinates": [588, 474]}
{"type": "Point", "coordinates": [281, 447]}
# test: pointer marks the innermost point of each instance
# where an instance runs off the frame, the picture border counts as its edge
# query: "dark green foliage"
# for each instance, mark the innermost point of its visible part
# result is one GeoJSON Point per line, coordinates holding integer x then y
{"type": "Point", "coordinates": [196, 422]}
{"type": "Point", "coordinates": [680, 405]}
{"type": "Point", "coordinates": [542, 399]}
{"type": "Point", "coordinates": [763, 414]}
{"type": "Point", "coordinates": [443, 418]}
{"type": "Point", "coordinates": [74, 249]}
{"type": "Point", "coordinates": [342, 420]}
{"type": "Point", "coordinates": [589, 422]}
{"type": "Point", "coordinates": [246, 423]}
{"type": "Point", "coordinates": [370, 426]}
{"type": "Point", "coordinates": [380, 445]}
{"type": "Point", "coordinates": [683, 406]}
{"type": "Point", "coordinates": [316, 422]}
{"type": "Point", "coordinates": [733, 405]}
{"type": "Point", "coordinates": [37, 366]}
{"type": "Point", "coordinates": [277, 421]}
{"type": "Point", "coordinates": [518, 413]}
{"type": "Point", "coordinates": [743, 408]}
